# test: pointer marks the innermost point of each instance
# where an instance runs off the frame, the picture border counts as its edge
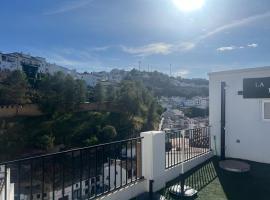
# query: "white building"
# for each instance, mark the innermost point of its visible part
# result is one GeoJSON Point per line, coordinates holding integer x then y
{"type": "Point", "coordinates": [112, 174]}
{"type": "Point", "coordinates": [198, 102]}
{"type": "Point", "coordinates": [89, 79]}
{"type": "Point", "coordinates": [240, 113]}
{"type": "Point", "coordinates": [16, 61]}
{"type": "Point", "coordinates": [8, 184]}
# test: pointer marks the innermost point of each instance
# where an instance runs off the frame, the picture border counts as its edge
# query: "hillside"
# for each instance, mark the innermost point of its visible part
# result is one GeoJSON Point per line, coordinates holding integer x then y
{"type": "Point", "coordinates": [163, 85]}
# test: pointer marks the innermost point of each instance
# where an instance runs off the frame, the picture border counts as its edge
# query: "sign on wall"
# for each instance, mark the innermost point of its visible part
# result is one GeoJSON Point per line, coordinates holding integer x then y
{"type": "Point", "coordinates": [256, 87]}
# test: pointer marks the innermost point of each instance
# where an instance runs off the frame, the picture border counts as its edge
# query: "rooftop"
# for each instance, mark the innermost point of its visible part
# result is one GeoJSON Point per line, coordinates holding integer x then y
{"type": "Point", "coordinates": [233, 71]}
{"type": "Point", "coordinates": [213, 183]}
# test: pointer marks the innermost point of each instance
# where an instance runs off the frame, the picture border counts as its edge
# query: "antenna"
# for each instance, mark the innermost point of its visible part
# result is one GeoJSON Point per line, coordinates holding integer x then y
{"type": "Point", "coordinates": [139, 65]}
{"type": "Point", "coordinates": [170, 69]}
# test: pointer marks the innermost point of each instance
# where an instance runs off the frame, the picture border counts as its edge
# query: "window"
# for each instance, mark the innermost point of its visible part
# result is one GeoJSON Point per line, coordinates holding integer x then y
{"type": "Point", "coordinates": [266, 110]}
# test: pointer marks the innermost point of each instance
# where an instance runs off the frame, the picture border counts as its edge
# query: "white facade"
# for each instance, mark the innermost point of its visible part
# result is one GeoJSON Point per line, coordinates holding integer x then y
{"type": "Point", "coordinates": [198, 102]}
{"type": "Point", "coordinates": [115, 179]}
{"type": "Point", "coordinates": [89, 79]}
{"type": "Point", "coordinates": [13, 61]}
{"type": "Point", "coordinates": [9, 185]}
{"type": "Point", "coordinates": [247, 134]}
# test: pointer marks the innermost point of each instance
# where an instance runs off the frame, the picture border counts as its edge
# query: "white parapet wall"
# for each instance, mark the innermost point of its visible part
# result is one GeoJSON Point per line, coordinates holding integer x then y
{"type": "Point", "coordinates": [153, 160]}
{"type": "Point", "coordinates": [153, 167]}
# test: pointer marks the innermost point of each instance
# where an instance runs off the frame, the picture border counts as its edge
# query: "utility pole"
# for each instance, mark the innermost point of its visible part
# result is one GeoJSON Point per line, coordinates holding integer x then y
{"type": "Point", "coordinates": [148, 68]}
{"type": "Point", "coordinates": [170, 70]}
{"type": "Point", "coordinates": [139, 65]}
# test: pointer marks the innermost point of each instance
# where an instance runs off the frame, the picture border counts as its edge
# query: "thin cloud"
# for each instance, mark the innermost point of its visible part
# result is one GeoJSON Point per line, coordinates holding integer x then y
{"type": "Point", "coordinates": [160, 48]}
{"type": "Point", "coordinates": [150, 49]}
{"type": "Point", "coordinates": [230, 48]}
{"type": "Point", "coordinates": [234, 24]}
{"type": "Point", "coordinates": [68, 6]}
{"type": "Point", "coordinates": [253, 45]}
{"type": "Point", "coordinates": [166, 48]}
{"type": "Point", "coordinates": [183, 73]}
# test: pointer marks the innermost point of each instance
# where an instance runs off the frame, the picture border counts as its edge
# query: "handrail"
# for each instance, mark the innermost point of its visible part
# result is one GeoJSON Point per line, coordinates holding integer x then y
{"type": "Point", "coordinates": [188, 129]}
{"type": "Point", "coordinates": [186, 144]}
{"type": "Point", "coordinates": [90, 171]}
{"type": "Point", "coordinates": [67, 151]}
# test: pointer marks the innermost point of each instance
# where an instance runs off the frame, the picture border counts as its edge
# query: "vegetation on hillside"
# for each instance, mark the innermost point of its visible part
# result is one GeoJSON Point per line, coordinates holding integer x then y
{"type": "Point", "coordinates": [193, 112]}
{"type": "Point", "coordinates": [62, 128]}
{"type": "Point", "coordinates": [164, 85]}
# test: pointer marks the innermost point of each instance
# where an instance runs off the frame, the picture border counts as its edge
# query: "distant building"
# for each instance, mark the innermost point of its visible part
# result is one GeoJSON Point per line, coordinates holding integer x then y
{"type": "Point", "coordinates": [31, 65]}
{"type": "Point", "coordinates": [173, 102]}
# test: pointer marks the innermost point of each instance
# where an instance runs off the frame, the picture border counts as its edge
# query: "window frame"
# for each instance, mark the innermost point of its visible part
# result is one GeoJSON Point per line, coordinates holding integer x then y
{"type": "Point", "coordinates": [263, 103]}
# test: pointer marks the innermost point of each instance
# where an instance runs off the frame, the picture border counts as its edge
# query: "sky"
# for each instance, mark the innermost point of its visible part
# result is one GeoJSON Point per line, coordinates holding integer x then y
{"type": "Point", "coordinates": [96, 35]}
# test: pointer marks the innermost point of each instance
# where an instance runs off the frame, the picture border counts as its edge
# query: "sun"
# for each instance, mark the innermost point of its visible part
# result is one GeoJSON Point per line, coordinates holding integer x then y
{"type": "Point", "coordinates": [188, 5]}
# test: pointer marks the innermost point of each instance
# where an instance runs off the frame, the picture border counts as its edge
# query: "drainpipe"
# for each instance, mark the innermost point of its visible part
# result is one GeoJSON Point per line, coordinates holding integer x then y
{"type": "Point", "coordinates": [151, 183]}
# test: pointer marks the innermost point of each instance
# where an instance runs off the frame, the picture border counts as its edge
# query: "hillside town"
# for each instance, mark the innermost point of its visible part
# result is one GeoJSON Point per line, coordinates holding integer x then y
{"type": "Point", "coordinates": [174, 117]}
{"type": "Point", "coordinates": [34, 65]}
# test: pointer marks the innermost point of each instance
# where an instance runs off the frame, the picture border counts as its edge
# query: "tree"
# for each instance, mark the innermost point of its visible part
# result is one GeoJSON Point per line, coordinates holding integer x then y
{"type": "Point", "coordinates": [99, 93]}
{"type": "Point", "coordinates": [196, 112]}
{"type": "Point", "coordinates": [111, 93]}
{"type": "Point", "coordinates": [108, 133]}
{"type": "Point", "coordinates": [60, 93]}
{"type": "Point", "coordinates": [151, 117]}
{"type": "Point", "coordinates": [14, 89]}
{"type": "Point", "coordinates": [129, 98]}
{"type": "Point", "coordinates": [46, 142]}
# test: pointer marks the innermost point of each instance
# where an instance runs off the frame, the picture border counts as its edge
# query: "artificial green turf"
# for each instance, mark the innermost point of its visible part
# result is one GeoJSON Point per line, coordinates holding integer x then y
{"type": "Point", "coordinates": [214, 183]}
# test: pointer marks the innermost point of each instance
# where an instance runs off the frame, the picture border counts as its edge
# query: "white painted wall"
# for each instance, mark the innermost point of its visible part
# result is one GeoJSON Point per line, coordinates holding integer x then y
{"type": "Point", "coordinates": [243, 116]}
{"type": "Point", "coordinates": [153, 158]}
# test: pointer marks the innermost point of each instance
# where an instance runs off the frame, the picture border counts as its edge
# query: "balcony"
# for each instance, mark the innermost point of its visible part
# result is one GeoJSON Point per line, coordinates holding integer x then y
{"type": "Point", "coordinates": [213, 183]}
{"type": "Point", "coordinates": [118, 170]}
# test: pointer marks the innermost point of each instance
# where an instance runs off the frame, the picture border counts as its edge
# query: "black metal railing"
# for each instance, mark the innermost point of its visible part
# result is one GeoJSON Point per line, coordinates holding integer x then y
{"type": "Point", "coordinates": [183, 145]}
{"type": "Point", "coordinates": [83, 173]}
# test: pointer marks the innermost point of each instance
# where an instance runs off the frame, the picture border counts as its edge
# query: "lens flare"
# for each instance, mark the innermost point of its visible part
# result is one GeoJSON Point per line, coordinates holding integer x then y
{"type": "Point", "coordinates": [188, 5]}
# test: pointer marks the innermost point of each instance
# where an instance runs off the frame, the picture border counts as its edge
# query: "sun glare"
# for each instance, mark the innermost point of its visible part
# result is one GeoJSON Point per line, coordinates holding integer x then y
{"type": "Point", "coordinates": [188, 5]}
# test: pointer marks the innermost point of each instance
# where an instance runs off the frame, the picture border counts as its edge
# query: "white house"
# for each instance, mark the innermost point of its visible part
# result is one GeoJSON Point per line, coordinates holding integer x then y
{"type": "Point", "coordinates": [8, 184]}
{"type": "Point", "coordinates": [240, 113]}
{"type": "Point", "coordinates": [113, 175]}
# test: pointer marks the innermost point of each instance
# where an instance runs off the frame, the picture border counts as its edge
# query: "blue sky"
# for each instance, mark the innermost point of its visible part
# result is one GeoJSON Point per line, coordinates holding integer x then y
{"type": "Point", "coordinates": [95, 35]}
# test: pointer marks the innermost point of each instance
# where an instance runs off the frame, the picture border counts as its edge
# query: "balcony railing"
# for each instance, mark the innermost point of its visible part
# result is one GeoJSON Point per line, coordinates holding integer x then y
{"type": "Point", "coordinates": [183, 145]}
{"type": "Point", "coordinates": [83, 173]}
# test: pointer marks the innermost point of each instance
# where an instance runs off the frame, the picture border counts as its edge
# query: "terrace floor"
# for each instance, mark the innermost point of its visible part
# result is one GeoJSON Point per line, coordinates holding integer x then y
{"type": "Point", "coordinates": [214, 183]}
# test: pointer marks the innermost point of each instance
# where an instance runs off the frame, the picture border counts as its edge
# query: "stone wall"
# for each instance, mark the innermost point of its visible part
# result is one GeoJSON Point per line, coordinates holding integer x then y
{"type": "Point", "coordinates": [7, 111]}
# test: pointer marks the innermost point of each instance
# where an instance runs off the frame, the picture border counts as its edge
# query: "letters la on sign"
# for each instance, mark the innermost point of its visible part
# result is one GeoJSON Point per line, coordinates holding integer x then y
{"type": "Point", "coordinates": [256, 87]}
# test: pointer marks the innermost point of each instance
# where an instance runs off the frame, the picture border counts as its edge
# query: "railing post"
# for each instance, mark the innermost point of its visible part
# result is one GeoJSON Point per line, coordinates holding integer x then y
{"type": "Point", "coordinates": [182, 150]}
{"type": "Point", "coordinates": [139, 159]}
{"type": "Point", "coordinates": [153, 158]}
